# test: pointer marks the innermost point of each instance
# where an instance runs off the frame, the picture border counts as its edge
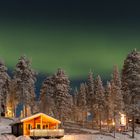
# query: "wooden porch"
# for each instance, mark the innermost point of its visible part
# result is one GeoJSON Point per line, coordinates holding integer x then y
{"type": "Point", "coordinates": [47, 133]}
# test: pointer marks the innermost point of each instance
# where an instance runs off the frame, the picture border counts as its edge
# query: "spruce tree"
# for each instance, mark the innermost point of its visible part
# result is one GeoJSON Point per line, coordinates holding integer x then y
{"type": "Point", "coordinates": [109, 101]}
{"type": "Point", "coordinates": [131, 86]}
{"type": "Point", "coordinates": [117, 91]}
{"type": "Point", "coordinates": [91, 95]}
{"type": "Point", "coordinates": [116, 99]}
{"type": "Point", "coordinates": [75, 109]}
{"type": "Point", "coordinates": [90, 92]}
{"type": "Point", "coordinates": [4, 87]}
{"type": "Point", "coordinates": [75, 96]}
{"type": "Point", "coordinates": [99, 100]}
{"type": "Point", "coordinates": [81, 102]}
{"type": "Point", "coordinates": [116, 77]}
{"type": "Point", "coordinates": [11, 102]}
{"type": "Point", "coordinates": [82, 96]}
{"type": "Point", "coordinates": [24, 83]}
{"type": "Point", "coordinates": [117, 103]}
{"type": "Point", "coordinates": [62, 97]}
{"type": "Point", "coordinates": [47, 104]}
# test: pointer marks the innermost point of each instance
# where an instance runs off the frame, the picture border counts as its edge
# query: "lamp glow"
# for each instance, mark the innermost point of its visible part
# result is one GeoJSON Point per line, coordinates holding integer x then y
{"type": "Point", "coordinates": [123, 119]}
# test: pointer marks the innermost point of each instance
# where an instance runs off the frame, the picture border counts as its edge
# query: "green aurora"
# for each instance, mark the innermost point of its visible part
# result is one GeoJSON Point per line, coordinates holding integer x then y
{"type": "Point", "coordinates": [75, 47]}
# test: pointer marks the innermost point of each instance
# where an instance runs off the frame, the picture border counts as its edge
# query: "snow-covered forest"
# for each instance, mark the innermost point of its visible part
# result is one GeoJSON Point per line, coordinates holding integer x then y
{"type": "Point", "coordinates": [93, 105]}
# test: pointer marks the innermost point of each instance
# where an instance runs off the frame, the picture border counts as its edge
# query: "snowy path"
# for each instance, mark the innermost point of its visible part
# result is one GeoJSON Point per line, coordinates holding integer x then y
{"type": "Point", "coordinates": [76, 137]}
{"type": "Point", "coordinates": [98, 137]}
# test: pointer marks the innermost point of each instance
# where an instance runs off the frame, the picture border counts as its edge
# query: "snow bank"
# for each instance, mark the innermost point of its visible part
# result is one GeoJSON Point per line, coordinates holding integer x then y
{"type": "Point", "coordinates": [4, 125]}
{"type": "Point", "coordinates": [11, 137]}
{"type": "Point", "coordinates": [6, 121]}
{"type": "Point", "coordinates": [5, 129]}
{"type": "Point", "coordinates": [7, 137]}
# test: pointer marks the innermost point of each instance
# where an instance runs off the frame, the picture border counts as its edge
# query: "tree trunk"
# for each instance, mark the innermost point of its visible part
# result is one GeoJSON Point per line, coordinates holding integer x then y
{"type": "Point", "coordinates": [100, 121]}
{"type": "Point", "coordinates": [108, 121]}
{"type": "Point", "coordinates": [133, 119]}
{"type": "Point", "coordinates": [25, 111]}
{"type": "Point", "coordinates": [92, 118]}
{"type": "Point", "coordinates": [83, 118]}
{"type": "Point", "coordinates": [14, 110]}
{"type": "Point", "coordinates": [114, 127]}
{"type": "Point", "coordinates": [133, 127]}
{"type": "Point", "coordinates": [0, 102]}
{"type": "Point", "coordinates": [86, 118]}
{"type": "Point", "coordinates": [0, 107]}
{"type": "Point", "coordinates": [92, 121]}
{"type": "Point", "coordinates": [32, 109]}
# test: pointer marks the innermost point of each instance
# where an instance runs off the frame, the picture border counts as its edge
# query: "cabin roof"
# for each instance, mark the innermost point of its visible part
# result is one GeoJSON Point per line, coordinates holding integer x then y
{"type": "Point", "coordinates": [51, 119]}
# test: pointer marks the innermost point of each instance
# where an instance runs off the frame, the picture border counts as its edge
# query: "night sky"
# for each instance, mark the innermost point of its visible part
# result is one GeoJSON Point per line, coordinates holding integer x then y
{"type": "Point", "coordinates": [74, 35]}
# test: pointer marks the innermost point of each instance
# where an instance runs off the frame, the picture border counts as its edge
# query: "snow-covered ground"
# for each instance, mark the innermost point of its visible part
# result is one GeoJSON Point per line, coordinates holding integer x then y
{"type": "Point", "coordinates": [100, 137]}
{"type": "Point", "coordinates": [4, 125]}
{"type": "Point", "coordinates": [93, 134]}
{"type": "Point", "coordinates": [76, 137]}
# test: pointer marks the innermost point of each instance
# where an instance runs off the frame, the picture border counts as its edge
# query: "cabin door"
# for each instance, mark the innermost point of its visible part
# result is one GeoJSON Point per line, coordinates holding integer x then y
{"type": "Point", "coordinates": [28, 128]}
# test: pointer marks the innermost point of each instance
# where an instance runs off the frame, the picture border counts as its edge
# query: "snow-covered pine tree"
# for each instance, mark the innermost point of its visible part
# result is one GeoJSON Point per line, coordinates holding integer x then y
{"type": "Point", "coordinates": [75, 107]}
{"type": "Point", "coordinates": [109, 102]}
{"type": "Point", "coordinates": [42, 98]}
{"type": "Point", "coordinates": [82, 96]}
{"type": "Point", "coordinates": [131, 86]}
{"type": "Point", "coordinates": [24, 83]}
{"type": "Point", "coordinates": [117, 105]}
{"type": "Point", "coordinates": [11, 102]}
{"type": "Point", "coordinates": [90, 92]}
{"type": "Point", "coordinates": [47, 104]}
{"type": "Point", "coordinates": [90, 97]}
{"type": "Point", "coordinates": [81, 102]}
{"type": "Point", "coordinates": [116, 87]}
{"type": "Point", "coordinates": [62, 97]}
{"type": "Point", "coordinates": [116, 77]}
{"type": "Point", "coordinates": [100, 102]}
{"type": "Point", "coordinates": [75, 96]}
{"type": "Point", "coordinates": [4, 87]}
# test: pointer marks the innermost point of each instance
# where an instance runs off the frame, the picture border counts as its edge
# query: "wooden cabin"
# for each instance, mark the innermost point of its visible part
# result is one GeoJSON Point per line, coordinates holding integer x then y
{"type": "Point", "coordinates": [38, 125]}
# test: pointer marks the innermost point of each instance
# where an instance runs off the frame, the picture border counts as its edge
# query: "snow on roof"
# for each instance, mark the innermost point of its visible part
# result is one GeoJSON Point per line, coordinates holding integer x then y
{"type": "Point", "coordinates": [41, 114]}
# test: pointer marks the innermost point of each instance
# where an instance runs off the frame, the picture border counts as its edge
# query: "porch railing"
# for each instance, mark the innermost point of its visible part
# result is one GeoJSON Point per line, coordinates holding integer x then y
{"type": "Point", "coordinates": [47, 132]}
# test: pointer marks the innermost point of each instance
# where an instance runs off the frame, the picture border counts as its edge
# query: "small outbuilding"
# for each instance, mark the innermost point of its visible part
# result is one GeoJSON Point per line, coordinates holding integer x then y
{"type": "Point", "coordinates": [38, 125]}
